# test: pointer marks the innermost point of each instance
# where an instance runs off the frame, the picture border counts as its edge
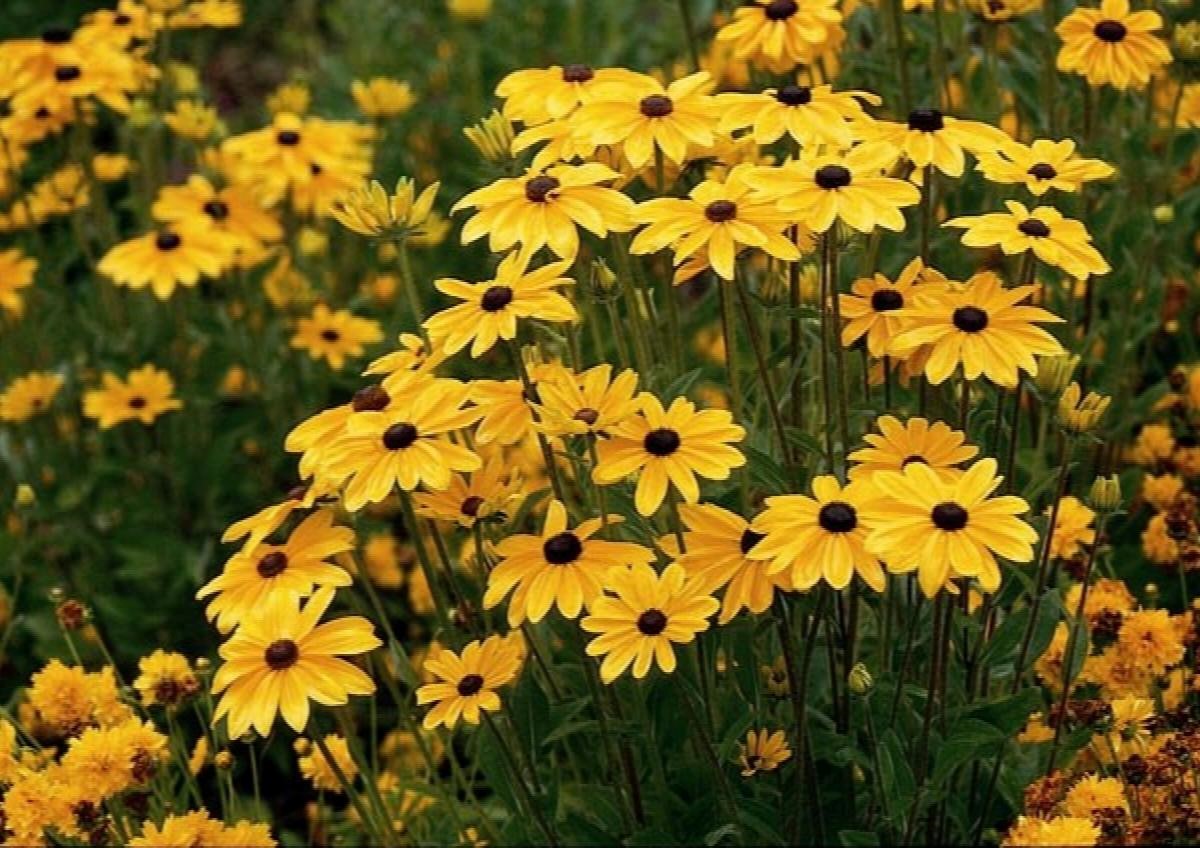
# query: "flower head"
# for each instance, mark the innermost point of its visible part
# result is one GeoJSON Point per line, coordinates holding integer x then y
{"type": "Point", "coordinates": [466, 683]}
{"type": "Point", "coordinates": [1058, 241]}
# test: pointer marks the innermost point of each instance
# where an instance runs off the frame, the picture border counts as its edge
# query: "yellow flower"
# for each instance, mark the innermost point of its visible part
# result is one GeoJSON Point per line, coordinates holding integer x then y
{"type": "Point", "coordinates": [165, 678]}
{"type": "Point", "coordinates": [1072, 529]}
{"type": "Point", "coordinates": [492, 137]}
{"type": "Point", "coordinates": [143, 396]}
{"type": "Point", "coordinates": [333, 336]}
{"type": "Point", "coordinates": [466, 683]}
{"type": "Point", "coordinates": [1129, 732]}
{"type": "Point", "coordinates": [763, 752]}
{"type": "Point", "coordinates": [1041, 166]}
{"type": "Point", "coordinates": [68, 699]}
{"type": "Point", "coordinates": [592, 402]}
{"type": "Point", "coordinates": [175, 255]}
{"type": "Point", "coordinates": [193, 120]}
{"type": "Point", "coordinates": [367, 210]}
{"type": "Point", "coordinates": [1081, 415]}
{"type": "Point", "coordinates": [1060, 242]}
{"type": "Point", "coordinates": [873, 305]}
{"type": "Point", "coordinates": [1112, 45]}
{"type": "Point", "coordinates": [1053, 833]}
{"type": "Point", "coordinates": [16, 273]}
{"type": "Point", "coordinates": [382, 97]}
{"type": "Point", "coordinates": [110, 760]}
{"type": "Point", "coordinates": [293, 97]}
{"type": "Point", "coordinates": [1094, 793]}
{"type": "Point", "coordinates": [1161, 491]}
{"type": "Point", "coordinates": [782, 33]}
{"type": "Point", "coordinates": [28, 396]}
{"type": "Point", "coordinates": [317, 769]}
{"type": "Point", "coordinates": [1150, 640]}
{"type": "Point", "coordinates": [485, 495]}
{"type": "Point", "coordinates": [539, 95]}
{"type": "Point", "coordinates": [931, 139]}
{"type": "Point", "coordinates": [472, 11]}
{"type": "Point", "coordinates": [898, 445]}
{"type": "Point", "coordinates": [809, 115]}
{"type": "Point", "coordinates": [232, 212]}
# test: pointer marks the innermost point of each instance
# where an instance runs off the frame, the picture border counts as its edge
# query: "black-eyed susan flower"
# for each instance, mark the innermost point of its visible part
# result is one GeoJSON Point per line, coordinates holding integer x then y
{"type": "Point", "coordinates": [193, 120]}
{"type": "Point", "coordinates": [717, 546]}
{"type": "Point", "coordinates": [948, 529]}
{"type": "Point", "coordinates": [369, 211]}
{"type": "Point", "coordinates": [535, 96]}
{"type": "Point", "coordinates": [592, 402]}
{"type": "Point", "coordinates": [718, 218]}
{"type": "Point", "coordinates": [506, 407]}
{"type": "Point", "coordinates": [16, 273]}
{"type": "Point", "coordinates": [562, 567]}
{"type": "Point", "coordinates": [642, 116]}
{"type": "Point", "coordinates": [1061, 242]}
{"type": "Point", "coordinates": [822, 537]}
{"type": "Point", "coordinates": [763, 751]}
{"type": "Point", "coordinates": [144, 395]}
{"type": "Point", "coordinates": [642, 615]}
{"type": "Point", "coordinates": [930, 138]}
{"type": "Point", "coordinates": [546, 209]}
{"type": "Point", "coordinates": [809, 115]}
{"type": "Point", "coordinates": [296, 568]}
{"type": "Point", "coordinates": [276, 662]}
{"type": "Point", "coordinates": [981, 327]}
{"type": "Point", "coordinates": [382, 97]}
{"type": "Point", "coordinates": [232, 211]}
{"type": "Point", "coordinates": [1080, 413]}
{"type": "Point", "coordinates": [404, 446]}
{"type": "Point", "coordinates": [412, 360]}
{"type": "Point", "coordinates": [482, 495]}
{"type": "Point", "coordinates": [466, 683]}
{"type": "Point", "coordinates": [820, 189]}
{"type": "Point", "coordinates": [334, 335]}
{"type": "Point", "coordinates": [29, 395]}
{"type": "Point", "coordinates": [490, 309]}
{"type": "Point", "coordinates": [669, 447]}
{"type": "Point", "coordinates": [175, 255]}
{"type": "Point", "coordinates": [1112, 45]}
{"type": "Point", "coordinates": [872, 308]}
{"type": "Point", "coordinates": [320, 772]}
{"type": "Point", "coordinates": [899, 444]}
{"type": "Point", "coordinates": [1041, 166]}
{"type": "Point", "coordinates": [780, 34]}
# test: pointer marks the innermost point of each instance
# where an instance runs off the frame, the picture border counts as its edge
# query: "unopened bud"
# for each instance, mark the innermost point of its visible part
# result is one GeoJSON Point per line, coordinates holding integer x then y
{"type": "Point", "coordinates": [603, 278]}
{"type": "Point", "coordinates": [1164, 214]}
{"type": "Point", "coordinates": [223, 760]}
{"type": "Point", "coordinates": [1054, 373]}
{"type": "Point", "coordinates": [1105, 495]}
{"type": "Point", "coordinates": [26, 496]}
{"type": "Point", "coordinates": [1185, 40]}
{"type": "Point", "coordinates": [1081, 414]}
{"type": "Point", "coordinates": [492, 137]}
{"type": "Point", "coordinates": [302, 746]}
{"type": "Point", "coordinates": [860, 680]}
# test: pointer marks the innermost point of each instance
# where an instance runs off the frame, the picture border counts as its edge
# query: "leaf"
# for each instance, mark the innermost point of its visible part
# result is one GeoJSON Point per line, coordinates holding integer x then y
{"type": "Point", "coordinates": [1008, 715]}
{"type": "Point", "coordinates": [682, 384]}
{"type": "Point", "coordinates": [857, 837]}
{"type": "Point", "coordinates": [1002, 648]}
{"type": "Point", "coordinates": [968, 739]}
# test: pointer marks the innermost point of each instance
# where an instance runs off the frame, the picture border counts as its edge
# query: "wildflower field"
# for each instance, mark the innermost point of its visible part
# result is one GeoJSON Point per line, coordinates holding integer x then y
{"type": "Point", "coordinates": [638, 422]}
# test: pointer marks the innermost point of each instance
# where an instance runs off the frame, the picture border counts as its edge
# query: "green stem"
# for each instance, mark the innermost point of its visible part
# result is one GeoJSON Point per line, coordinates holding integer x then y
{"type": "Point", "coordinates": [519, 780]}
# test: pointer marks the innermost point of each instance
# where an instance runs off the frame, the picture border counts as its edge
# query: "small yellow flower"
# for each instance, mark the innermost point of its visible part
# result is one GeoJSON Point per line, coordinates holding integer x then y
{"type": "Point", "coordinates": [1081, 415]}
{"type": "Point", "coordinates": [492, 137]}
{"type": "Point", "coordinates": [367, 210]}
{"type": "Point", "coordinates": [382, 97]}
{"type": "Point", "coordinates": [763, 752]}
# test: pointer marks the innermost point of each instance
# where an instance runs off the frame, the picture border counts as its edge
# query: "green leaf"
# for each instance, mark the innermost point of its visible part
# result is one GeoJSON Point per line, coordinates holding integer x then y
{"type": "Point", "coordinates": [1008, 715]}
{"type": "Point", "coordinates": [857, 837]}
{"type": "Point", "coordinates": [967, 740]}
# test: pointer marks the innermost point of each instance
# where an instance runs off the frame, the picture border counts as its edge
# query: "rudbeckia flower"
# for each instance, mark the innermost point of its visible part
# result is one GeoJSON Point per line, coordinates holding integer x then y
{"type": "Point", "coordinates": [144, 395]}
{"type": "Point", "coordinates": [28, 396]}
{"type": "Point", "coordinates": [545, 209]}
{"type": "Point", "coordinates": [231, 211]}
{"type": "Point", "coordinates": [466, 683]}
{"type": "Point", "coordinates": [534, 96]}
{"type": "Point", "coordinates": [470, 499]}
{"type": "Point", "coordinates": [669, 447]}
{"type": "Point", "coordinates": [642, 616]}
{"type": "Point", "coordinates": [763, 751]}
{"type": "Point", "coordinates": [1041, 166]}
{"type": "Point", "coordinates": [718, 217]}
{"type": "Point", "coordinates": [822, 537]}
{"type": "Point", "coordinates": [412, 360]}
{"type": "Point", "coordinates": [16, 273]}
{"type": "Point", "coordinates": [899, 444]}
{"type": "Point", "coordinates": [782, 33]}
{"type": "Point", "coordinates": [277, 661]}
{"type": "Point", "coordinates": [821, 189]}
{"type": "Point", "coordinates": [1058, 241]}
{"type": "Point", "coordinates": [872, 307]}
{"type": "Point", "coordinates": [334, 335]}
{"type": "Point", "coordinates": [810, 115]}
{"type": "Point", "coordinates": [382, 97]}
{"type": "Point", "coordinates": [931, 138]}
{"type": "Point", "coordinates": [491, 308]}
{"type": "Point", "coordinates": [369, 211]}
{"type": "Point", "coordinates": [592, 402]}
{"type": "Point", "coordinates": [1112, 45]}
{"type": "Point", "coordinates": [562, 567]}
{"type": "Point", "coordinates": [946, 530]}
{"type": "Point", "coordinates": [981, 327]}
{"type": "Point", "coordinates": [176, 255]}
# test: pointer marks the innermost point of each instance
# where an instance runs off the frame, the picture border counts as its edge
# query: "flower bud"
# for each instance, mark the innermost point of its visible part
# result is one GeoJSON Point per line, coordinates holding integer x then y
{"type": "Point", "coordinates": [1105, 495]}
{"type": "Point", "coordinates": [1164, 214]}
{"type": "Point", "coordinates": [1185, 40]}
{"type": "Point", "coordinates": [302, 746]}
{"type": "Point", "coordinates": [860, 680]}
{"type": "Point", "coordinates": [1054, 373]}
{"type": "Point", "coordinates": [223, 760]}
{"type": "Point", "coordinates": [603, 278]}
{"type": "Point", "coordinates": [26, 496]}
{"type": "Point", "coordinates": [492, 137]}
{"type": "Point", "coordinates": [1081, 415]}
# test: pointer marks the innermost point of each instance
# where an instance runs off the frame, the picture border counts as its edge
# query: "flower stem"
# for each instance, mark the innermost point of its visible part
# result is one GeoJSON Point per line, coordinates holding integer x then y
{"type": "Point", "coordinates": [514, 767]}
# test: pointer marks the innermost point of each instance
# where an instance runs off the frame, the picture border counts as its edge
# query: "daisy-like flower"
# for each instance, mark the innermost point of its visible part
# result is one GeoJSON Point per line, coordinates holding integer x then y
{"type": "Point", "coordinates": [537, 95]}
{"type": "Point", "coordinates": [592, 402]}
{"type": "Point", "coordinates": [320, 772]}
{"type": "Point", "coordinates": [982, 327]}
{"type": "Point", "coordinates": [669, 447]}
{"type": "Point", "coordinates": [810, 115]}
{"type": "Point", "coordinates": [821, 189]}
{"type": "Point", "coordinates": [403, 446]}
{"type": "Point", "coordinates": [1058, 241]}
{"type": "Point", "coordinates": [642, 616]}
{"type": "Point", "coordinates": [1112, 45]}
{"type": "Point", "coordinates": [782, 33]}
{"type": "Point", "coordinates": [490, 309]}
{"type": "Point", "coordinates": [822, 537]}
{"type": "Point", "coordinates": [277, 661]}
{"type": "Point", "coordinates": [369, 211]}
{"type": "Point", "coordinates": [176, 255]}
{"type": "Point", "coordinates": [465, 684]}
{"type": "Point", "coordinates": [546, 208]}
{"type": "Point", "coordinates": [931, 138]}
{"type": "Point", "coordinates": [641, 115]}
{"type": "Point", "coordinates": [193, 120]}
{"type": "Point", "coordinates": [143, 396]}
{"type": "Point", "coordinates": [717, 554]}
{"type": "Point", "coordinates": [898, 445]}
{"type": "Point", "coordinates": [232, 211]}
{"type": "Point", "coordinates": [946, 530]}
{"type": "Point", "coordinates": [470, 499]}
{"type": "Point", "coordinates": [165, 678]}
{"type": "Point", "coordinates": [563, 568]}
{"type": "Point", "coordinates": [718, 217]}
{"type": "Point", "coordinates": [16, 273]}
{"type": "Point", "coordinates": [1041, 166]}
{"type": "Point", "coordinates": [297, 568]}
{"type": "Point", "coordinates": [412, 361]}
{"type": "Point", "coordinates": [763, 751]}
{"type": "Point", "coordinates": [255, 528]}
{"type": "Point", "coordinates": [871, 309]}
{"type": "Point", "coordinates": [382, 97]}
{"type": "Point", "coordinates": [28, 396]}
{"type": "Point", "coordinates": [334, 335]}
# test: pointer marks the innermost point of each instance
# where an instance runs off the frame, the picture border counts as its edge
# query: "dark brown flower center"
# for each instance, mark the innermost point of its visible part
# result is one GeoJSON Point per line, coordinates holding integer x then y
{"type": "Point", "coordinates": [949, 516]}
{"type": "Point", "coordinates": [218, 210]}
{"type": "Point", "coordinates": [1110, 31]}
{"type": "Point", "coordinates": [399, 436]}
{"type": "Point", "coordinates": [562, 549]}
{"type": "Point", "coordinates": [167, 240]}
{"type": "Point", "coordinates": [720, 211]}
{"type": "Point", "coordinates": [781, 10]}
{"type": "Point", "coordinates": [470, 685]}
{"type": "Point", "coordinates": [1034, 227]}
{"type": "Point", "coordinates": [496, 298]}
{"type": "Point", "coordinates": [470, 506]}
{"type": "Point", "coordinates": [577, 73]}
{"type": "Point", "coordinates": [288, 138]}
{"type": "Point", "coordinates": [1043, 171]}
{"type": "Point", "coordinates": [970, 319]}
{"type": "Point", "coordinates": [137, 402]}
{"type": "Point", "coordinates": [837, 517]}
{"type": "Point", "coordinates": [272, 565]}
{"type": "Point", "coordinates": [886, 300]}
{"type": "Point", "coordinates": [925, 120]}
{"type": "Point", "coordinates": [749, 540]}
{"type": "Point", "coordinates": [587, 415]}
{"type": "Point", "coordinates": [56, 35]}
{"type": "Point", "coordinates": [911, 458]}
{"type": "Point", "coordinates": [330, 335]}
{"type": "Point", "coordinates": [67, 73]}
{"type": "Point", "coordinates": [282, 654]}
{"type": "Point", "coordinates": [122, 20]}
{"type": "Point", "coordinates": [652, 622]}
{"type": "Point", "coordinates": [661, 442]}
{"type": "Point", "coordinates": [539, 188]}
{"type": "Point", "coordinates": [794, 95]}
{"type": "Point", "coordinates": [370, 399]}
{"type": "Point", "coordinates": [830, 177]}
{"type": "Point", "coordinates": [656, 106]}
